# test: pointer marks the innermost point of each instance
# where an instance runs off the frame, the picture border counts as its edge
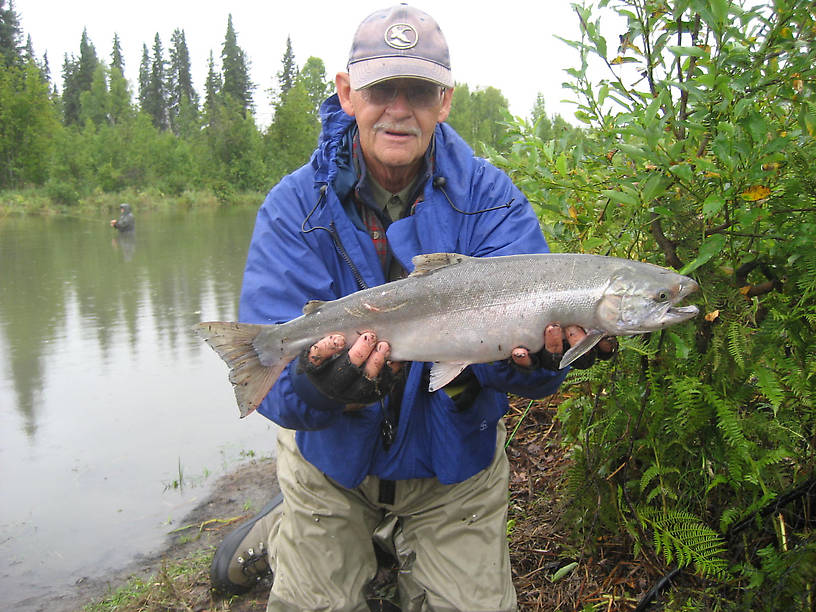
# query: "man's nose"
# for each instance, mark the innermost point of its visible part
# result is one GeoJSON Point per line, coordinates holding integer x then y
{"type": "Point", "coordinates": [400, 103]}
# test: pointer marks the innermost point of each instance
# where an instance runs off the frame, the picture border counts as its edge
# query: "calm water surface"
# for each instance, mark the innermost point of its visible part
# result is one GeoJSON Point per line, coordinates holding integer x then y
{"type": "Point", "coordinates": [106, 397]}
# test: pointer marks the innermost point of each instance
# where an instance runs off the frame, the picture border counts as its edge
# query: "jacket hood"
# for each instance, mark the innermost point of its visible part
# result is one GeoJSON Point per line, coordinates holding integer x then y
{"type": "Point", "coordinates": [335, 124]}
{"type": "Point", "coordinates": [125, 208]}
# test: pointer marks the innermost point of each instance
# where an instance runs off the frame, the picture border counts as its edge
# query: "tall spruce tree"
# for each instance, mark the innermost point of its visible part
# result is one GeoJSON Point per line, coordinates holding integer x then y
{"type": "Point", "coordinates": [155, 103]}
{"type": "Point", "coordinates": [70, 90]}
{"type": "Point", "coordinates": [11, 36]}
{"type": "Point", "coordinates": [117, 61]}
{"type": "Point", "coordinates": [289, 69]}
{"type": "Point", "coordinates": [77, 78]}
{"type": "Point", "coordinates": [88, 61]}
{"type": "Point", "coordinates": [212, 91]}
{"type": "Point", "coordinates": [182, 97]}
{"type": "Point", "coordinates": [235, 67]}
{"type": "Point", "coordinates": [120, 102]}
{"type": "Point", "coordinates": [144, 77]}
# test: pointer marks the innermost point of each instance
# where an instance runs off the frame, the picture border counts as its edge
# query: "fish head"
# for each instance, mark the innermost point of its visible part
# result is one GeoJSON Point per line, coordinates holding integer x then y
{"type": "Point", "coordinates": [642, 298]}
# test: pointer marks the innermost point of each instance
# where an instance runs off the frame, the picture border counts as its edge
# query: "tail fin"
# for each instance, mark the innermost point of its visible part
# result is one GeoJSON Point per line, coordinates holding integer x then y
{"type": "Point", "coordinates": [251, 380]}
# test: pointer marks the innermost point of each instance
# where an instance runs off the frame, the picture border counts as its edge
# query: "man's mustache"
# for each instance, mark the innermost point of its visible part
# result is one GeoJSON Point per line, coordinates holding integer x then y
{"type": "Point", "coordinates": [388, 126]}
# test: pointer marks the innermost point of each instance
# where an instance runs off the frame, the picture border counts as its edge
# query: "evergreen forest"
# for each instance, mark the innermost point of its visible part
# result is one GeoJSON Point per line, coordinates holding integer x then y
{"type": "Point", "coordinates": [99, 127]}
{"type": "Point", "coordinates": [696, 151]}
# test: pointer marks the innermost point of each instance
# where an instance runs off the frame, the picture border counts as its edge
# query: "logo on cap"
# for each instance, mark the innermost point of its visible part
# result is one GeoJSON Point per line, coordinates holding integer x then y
{"type": "Point", "coordinates": [401, 36]}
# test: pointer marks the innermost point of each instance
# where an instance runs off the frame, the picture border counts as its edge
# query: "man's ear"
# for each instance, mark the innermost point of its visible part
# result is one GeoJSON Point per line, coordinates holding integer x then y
{"type": "Point", "coordinates": [447, 97]}
{"type": "Point", "coordinates": [344, 92]}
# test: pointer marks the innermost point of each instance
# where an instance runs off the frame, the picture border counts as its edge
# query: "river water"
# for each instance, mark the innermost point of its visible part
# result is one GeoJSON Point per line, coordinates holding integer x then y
{"type": "Point", "coordinates": [115, 419]}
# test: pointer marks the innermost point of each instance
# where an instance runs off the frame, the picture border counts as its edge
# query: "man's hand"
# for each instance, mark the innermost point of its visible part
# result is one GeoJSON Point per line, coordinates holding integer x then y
{"type": "Point", "coordinates": [357, 376]}
{"type": "Point", "coordinates": [557, 341]}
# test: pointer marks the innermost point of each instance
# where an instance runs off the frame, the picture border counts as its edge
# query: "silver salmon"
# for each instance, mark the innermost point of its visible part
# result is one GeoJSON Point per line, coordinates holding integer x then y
{"type": "Point", "coordinates": [454, 310]}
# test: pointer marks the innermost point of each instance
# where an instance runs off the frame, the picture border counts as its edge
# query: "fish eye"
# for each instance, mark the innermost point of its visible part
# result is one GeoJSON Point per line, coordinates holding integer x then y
{"type": "Point", "coordinates": [663, 295]}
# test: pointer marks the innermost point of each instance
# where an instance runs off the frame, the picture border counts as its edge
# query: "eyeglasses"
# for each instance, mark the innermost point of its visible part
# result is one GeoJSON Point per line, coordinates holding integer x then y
{"type": "Point", "coordinates": [418, 96]}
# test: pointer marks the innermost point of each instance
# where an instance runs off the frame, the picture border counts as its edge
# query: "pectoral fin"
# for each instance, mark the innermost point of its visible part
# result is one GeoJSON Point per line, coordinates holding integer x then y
{"type": "Point", "coordinates": [592, 338]}
{"type": "Point", "coordinates": [443, 373]}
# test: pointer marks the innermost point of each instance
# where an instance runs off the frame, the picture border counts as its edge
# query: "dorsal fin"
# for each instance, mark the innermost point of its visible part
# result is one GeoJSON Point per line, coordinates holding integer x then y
{"type": "Point", "coordinates": [424, 264]}
{"type": "Point", "coordinates": [312, 306]}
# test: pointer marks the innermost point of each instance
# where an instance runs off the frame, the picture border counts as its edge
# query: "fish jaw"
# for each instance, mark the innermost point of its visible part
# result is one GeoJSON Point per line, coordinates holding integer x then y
{"type": "Point", "coordinates": [674, 314]}
{"type": "Point", "coordinates": [644, 299]}
{"type": "Point", "coordinates": [677, 314]}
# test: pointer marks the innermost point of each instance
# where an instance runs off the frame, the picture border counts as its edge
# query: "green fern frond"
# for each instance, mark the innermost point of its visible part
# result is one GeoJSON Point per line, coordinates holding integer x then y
{"type": "Point", "coordinates": [728, 421]}
{"type": "Point", "coordinates": [737, 343]}
{"type": "Point", "coordinates": [728, 518]}
{"type": "Point", "coordinates": [683, 538]}
{"type": "Point", "coordinates": [769, 386]}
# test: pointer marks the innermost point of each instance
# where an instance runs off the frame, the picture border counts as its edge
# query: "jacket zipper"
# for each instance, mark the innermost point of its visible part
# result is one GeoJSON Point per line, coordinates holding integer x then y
{"type": "Point", "coordinates": [344, 254]}
{"type": "Point", "coordinates": [387, 426]}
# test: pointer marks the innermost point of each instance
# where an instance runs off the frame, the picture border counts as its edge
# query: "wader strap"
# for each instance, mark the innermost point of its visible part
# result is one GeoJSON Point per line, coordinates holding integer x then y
{"type": "Point", "coordinates": [387, 491]}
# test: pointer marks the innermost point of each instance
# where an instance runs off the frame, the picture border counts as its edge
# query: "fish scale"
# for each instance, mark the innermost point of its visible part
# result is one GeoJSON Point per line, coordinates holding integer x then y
{"type": "Point", "coordinates": [455, 310]}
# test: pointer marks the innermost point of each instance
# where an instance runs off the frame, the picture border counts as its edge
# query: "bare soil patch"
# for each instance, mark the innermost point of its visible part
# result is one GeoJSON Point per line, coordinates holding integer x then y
{"type": "Point", "coordinates": [551, 570]}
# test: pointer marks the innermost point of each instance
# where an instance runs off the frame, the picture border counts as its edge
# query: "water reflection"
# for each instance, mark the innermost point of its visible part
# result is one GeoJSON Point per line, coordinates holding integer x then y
{"type": "Point", "coordinates": [104, 390]}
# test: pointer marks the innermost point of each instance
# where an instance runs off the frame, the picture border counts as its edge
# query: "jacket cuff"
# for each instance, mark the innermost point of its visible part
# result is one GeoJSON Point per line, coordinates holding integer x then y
{"type": "Point", "coordinates": [310, 394]}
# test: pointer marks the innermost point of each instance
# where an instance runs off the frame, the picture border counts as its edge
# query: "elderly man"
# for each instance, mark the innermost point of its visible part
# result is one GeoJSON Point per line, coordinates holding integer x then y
{"type": "Point", "coordinates": [363, 447]}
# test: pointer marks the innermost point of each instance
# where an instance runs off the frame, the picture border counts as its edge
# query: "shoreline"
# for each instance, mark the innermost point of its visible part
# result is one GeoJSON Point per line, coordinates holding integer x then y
{"type": "Point", "coordinates": [234, 497]}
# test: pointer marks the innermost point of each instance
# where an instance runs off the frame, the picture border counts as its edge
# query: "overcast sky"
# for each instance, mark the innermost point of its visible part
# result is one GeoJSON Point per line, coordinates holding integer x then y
{"type": "Point", "coordinates": [508, 44]}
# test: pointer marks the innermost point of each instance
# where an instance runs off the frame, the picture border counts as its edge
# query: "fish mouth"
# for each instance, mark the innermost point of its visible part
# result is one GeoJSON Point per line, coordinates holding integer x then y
{"type": "Point", "coordinates": [678, 314]}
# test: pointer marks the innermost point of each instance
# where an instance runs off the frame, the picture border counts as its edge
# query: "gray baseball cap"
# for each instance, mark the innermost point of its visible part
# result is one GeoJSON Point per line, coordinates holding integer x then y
{"type": "Point", "coordinates": [399, 42]}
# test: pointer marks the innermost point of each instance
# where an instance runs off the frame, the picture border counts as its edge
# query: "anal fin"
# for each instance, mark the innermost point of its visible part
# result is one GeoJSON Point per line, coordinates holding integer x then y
{"type": "Point", "coordinates": [443, 373]}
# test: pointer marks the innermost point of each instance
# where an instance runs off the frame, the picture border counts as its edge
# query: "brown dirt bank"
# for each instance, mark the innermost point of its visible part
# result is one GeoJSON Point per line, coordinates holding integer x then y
{"type": "Point", "coordinates": [607, 578]}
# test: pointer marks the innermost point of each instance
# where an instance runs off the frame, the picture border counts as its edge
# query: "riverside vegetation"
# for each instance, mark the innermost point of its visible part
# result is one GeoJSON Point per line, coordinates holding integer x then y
{"type": "Point", "coordinates": [691, 456]}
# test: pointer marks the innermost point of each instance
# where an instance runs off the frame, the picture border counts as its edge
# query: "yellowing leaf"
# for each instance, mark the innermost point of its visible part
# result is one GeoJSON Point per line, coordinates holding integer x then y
{"type": "Point", "coordinates": [573, 213]}
{"type": "Point", "coordinates": [712, 316]}
{"type": "Point", "coordinates": [757, 192]}
{"type": "Point", "coordinates": [810, 123]}
{"type": "Point", "coordinates": [744, 290]}
{"type": "Point", "coordinates": [617, 60]}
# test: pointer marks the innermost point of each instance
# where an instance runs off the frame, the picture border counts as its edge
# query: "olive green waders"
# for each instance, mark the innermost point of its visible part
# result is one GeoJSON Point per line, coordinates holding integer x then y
{"type": "Point", "coordinates": [450, 540]}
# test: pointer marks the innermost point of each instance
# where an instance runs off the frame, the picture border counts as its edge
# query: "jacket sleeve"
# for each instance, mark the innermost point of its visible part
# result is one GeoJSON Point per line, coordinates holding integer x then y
{"type": "Point", "coordinates": [510, 231]}
{"type": "Point", "coordinates": [274, 290]}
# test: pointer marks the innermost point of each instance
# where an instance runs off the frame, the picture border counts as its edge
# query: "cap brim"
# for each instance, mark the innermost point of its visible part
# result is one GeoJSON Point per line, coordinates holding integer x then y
{"type": "Point", "coordinates": [368, 72]}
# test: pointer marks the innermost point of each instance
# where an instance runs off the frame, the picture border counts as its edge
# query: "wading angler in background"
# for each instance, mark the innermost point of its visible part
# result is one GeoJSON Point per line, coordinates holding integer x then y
{"type": "Point", "coordinates": [126, 222]}
{"type": "Point", "coordinates": [125, 225]}
{"type": "Point", "coordinates": [364, 446]}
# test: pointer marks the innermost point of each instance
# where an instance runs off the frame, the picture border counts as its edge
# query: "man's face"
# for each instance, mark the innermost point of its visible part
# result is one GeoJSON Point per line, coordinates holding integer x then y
{"type": "Point", "coordinates": [395, 129]}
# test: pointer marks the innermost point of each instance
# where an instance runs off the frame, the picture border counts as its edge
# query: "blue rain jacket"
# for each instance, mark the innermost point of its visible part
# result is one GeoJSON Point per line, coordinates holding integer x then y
{"type": "Point", "coordinates": [302, 240]}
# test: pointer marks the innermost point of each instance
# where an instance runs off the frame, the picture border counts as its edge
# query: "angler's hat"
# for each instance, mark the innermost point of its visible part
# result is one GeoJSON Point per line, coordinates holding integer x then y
{"type": "Point", "coordinates": [400, 41]}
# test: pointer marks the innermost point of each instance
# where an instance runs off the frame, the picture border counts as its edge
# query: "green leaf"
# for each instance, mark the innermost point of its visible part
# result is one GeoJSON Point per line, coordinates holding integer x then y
{"type": "Point", "coordinates": [564, 571]}
{"type": "Point", "coordinates": [619, 196]}
{"type": "Point", "coordinates": [655, 186]}
{"type": "Point", "coordinates": [662, 211]}
{"type": "Point", "coordinates": [683, 171]}
{"type": "Point", "coordinates": [682, 349]}
{"type": "Point", "coordinates": [633, 151]}
{"type": "Point", "coordinates": [708, 249]}
{"type": "Point", "coordinates": [695, 51]}
{"type": "Point", "coordinates": [713, 204]}
{"type": "Point", "coordinates": [561, 164]}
